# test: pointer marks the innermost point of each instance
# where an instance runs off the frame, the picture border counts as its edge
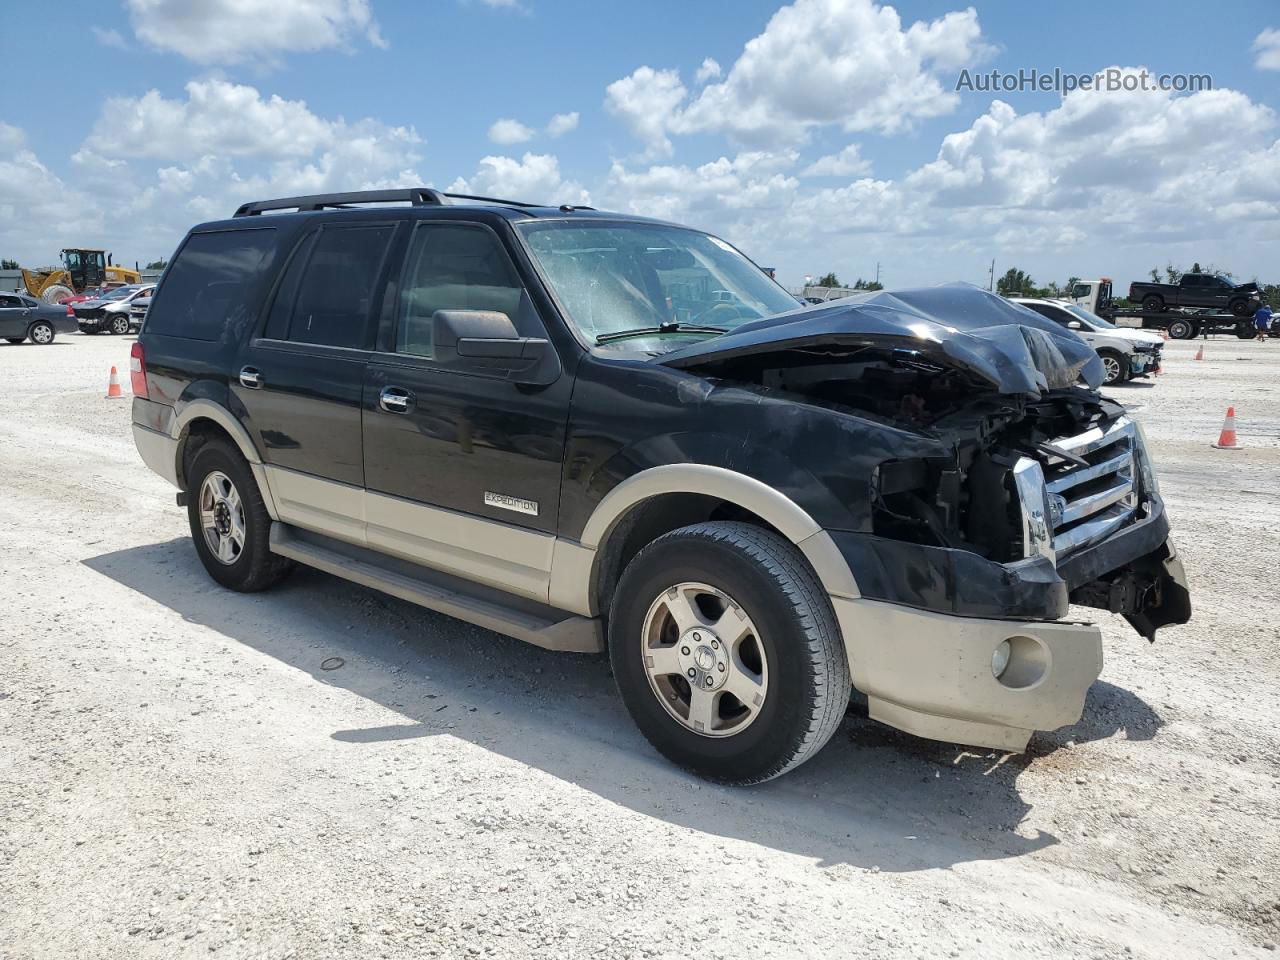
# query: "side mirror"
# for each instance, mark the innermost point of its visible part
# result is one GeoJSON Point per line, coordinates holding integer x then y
{"type": "Point", "coordinates": [488, 340]}
{"type": "Point", "coordinates": [1074, 325]}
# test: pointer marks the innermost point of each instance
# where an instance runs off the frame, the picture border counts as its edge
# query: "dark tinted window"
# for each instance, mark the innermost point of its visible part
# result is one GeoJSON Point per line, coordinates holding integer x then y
{"type": "Point", "coordinates": [453, 267]}
{"type": "Point", "coordinates": [335, 295]}
{"type": "Point", "coordinates": [1193, 280]}
{"type": "Point", "coordinates": [287, 292]}
{"type": "Point", "coordinates": [207, 288]}
{"type": "Point", "coordinates": [6, 302]}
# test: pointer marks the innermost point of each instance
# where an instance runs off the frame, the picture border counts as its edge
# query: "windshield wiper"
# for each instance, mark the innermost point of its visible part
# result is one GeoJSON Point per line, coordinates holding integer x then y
{"type": "Point", "coordinates": [673, 326]}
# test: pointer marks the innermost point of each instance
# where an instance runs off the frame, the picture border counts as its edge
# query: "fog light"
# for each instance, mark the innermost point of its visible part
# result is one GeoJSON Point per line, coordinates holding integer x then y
{"type": "Point", "coordinates": [1000, 659]}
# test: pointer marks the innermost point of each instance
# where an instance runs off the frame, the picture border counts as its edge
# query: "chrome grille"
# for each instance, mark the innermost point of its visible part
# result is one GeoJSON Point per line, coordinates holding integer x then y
{"type": "Point", "coordinates": [1067, 505]}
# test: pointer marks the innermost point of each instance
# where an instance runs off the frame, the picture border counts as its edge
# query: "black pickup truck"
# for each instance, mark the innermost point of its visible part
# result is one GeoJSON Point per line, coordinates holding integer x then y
{"type": "Point", "coordinates": [1197, 290]}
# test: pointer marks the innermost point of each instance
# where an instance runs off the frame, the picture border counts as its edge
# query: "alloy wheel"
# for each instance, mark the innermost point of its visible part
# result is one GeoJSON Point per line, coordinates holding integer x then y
{"type": "Point", "coordinates": [222, 517]}
{"type": "Point", "coordinates": [704, 659]}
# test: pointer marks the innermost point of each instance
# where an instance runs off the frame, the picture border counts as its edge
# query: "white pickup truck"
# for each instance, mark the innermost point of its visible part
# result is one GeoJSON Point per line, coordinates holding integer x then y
{"type": "Point", "coordinates": [1125, 352]}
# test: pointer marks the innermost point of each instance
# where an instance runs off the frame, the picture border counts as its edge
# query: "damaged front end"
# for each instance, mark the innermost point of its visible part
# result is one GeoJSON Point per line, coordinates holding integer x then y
{"type": "Point", "coordinates": [1035, 492]}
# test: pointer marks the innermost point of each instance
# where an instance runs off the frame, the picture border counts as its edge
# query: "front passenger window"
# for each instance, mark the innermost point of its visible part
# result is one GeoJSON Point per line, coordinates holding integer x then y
{"type": "Point", "coordinates": [453, 267]}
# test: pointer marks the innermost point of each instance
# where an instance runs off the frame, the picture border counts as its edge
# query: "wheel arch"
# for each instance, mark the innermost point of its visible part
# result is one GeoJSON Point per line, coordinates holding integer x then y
{"type": "Point", "coordinates": [658, 500]}
{"type": "Point", "coordinates": [201, 420]}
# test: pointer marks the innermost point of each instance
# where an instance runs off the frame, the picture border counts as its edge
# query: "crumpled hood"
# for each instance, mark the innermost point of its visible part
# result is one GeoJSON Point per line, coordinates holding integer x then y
{"type": "Point", "coordinates": [957, 325]}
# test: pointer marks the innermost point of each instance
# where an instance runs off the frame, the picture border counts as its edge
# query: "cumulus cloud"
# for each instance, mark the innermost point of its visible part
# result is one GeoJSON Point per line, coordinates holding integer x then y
{"type": "Point", "coordinates": [507, 131]}
{"type": "Point", "coordinates": [562, 123]}
{"type": "Point", "coordinates": [237, 31]}
{"type": "Point", "coordinates": [709, 70]}
{"type": "Point", "coordinates": [1267, 47]}
{"type": "Point", "coordinates": [535, 177]}
{"type": "Point", "coordinates": [849, 162]}
{"type": "Point", "coordinates": [153, 166]}
{"type": "Point", "coordinates": [1103, 176]}
{"type": "Point", "coordinates": [844, 63]}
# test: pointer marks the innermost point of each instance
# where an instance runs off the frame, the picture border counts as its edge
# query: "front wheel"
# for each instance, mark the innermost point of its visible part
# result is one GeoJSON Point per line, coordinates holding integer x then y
{"type": "Point", "coordinates": [41, 333]}
{"type": "Point", "coordinates": [1182, 330]}
{"type": "Point", "coordinates": [1240, 308]}
{"type": "Point", "coordinates": [1115, 365]}
{"type": "Point", "coordinates": [120, 324]}
{"type": "Point", "coordinates": [726, 652]}
{"type": "Point", "coordinates": [229, 521]}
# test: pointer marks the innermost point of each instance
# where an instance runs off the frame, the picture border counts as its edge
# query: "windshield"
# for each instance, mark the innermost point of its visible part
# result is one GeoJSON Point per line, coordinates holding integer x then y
{"type": "Point", "coordinates": [119, 293]}
{"type": "Point", "coordinates": [1092, 319]}
{"type": "Point", "coordinates": [613, 277]}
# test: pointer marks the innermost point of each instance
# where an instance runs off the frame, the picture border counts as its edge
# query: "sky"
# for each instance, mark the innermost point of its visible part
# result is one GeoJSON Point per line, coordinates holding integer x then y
{"type": "Point", "coordinates": [819, 135]}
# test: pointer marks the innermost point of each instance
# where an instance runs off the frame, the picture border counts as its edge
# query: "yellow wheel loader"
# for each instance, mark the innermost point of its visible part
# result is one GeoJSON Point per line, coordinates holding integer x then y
{"type": "Point", "coordinates": [81, 269]}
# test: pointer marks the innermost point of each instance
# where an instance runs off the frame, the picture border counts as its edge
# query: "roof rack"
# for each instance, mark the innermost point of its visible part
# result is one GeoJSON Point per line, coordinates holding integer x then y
{"type": "Point", "coordinates": [418, 196]}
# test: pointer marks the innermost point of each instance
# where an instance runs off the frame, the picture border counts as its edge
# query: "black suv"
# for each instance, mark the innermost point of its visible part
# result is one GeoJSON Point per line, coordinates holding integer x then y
{"type": "Point", "coordinates": [594, 431]}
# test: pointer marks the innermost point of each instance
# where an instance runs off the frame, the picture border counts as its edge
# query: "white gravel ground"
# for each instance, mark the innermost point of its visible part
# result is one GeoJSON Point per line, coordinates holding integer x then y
{"type": "Point", "coordinates": [180, 777]}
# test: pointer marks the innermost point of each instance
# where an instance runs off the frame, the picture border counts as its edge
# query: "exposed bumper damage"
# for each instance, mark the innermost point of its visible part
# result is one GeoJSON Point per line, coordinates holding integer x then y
{"type": "Point", "coordinates": [1018, 491]}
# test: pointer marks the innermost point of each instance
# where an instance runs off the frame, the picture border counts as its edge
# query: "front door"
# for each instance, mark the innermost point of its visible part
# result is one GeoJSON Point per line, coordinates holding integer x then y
{"type": "Point", "coordinates": [14, 316]}
{"type": "Point", "coordinates": [301, 382]}
{"type": "Point", "coordinates": [462, 465]}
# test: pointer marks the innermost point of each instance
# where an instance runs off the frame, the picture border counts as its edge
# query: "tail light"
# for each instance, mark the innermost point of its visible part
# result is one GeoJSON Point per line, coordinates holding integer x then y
{"type": "Point", "coordinates": [70, 312]}
{"type": "Point", "coordinates": [138, 371]}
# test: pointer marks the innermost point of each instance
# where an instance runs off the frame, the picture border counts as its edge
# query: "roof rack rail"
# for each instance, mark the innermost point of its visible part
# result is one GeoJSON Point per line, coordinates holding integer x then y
{"type": "Point", "coordinates": [505, 203]}
{"type": "Point", "coordinates": [418, 196]}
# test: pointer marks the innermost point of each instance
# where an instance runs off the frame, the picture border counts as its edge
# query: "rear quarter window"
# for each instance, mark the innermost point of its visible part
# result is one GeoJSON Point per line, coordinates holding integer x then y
{"type": "Point", "coordinates": [210, 289]}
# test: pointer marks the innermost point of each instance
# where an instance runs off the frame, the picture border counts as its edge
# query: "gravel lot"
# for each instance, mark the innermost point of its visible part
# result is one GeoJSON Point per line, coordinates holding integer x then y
{"type": "Point", "coordinates": [180, 776]}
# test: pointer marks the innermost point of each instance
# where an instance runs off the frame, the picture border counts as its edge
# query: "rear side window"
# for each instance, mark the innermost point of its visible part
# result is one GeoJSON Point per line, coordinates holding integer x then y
{"type": "Point", "coordinates": [334, 294]}
{"type": "Point", "coordinates": [453, 267]}
{"type": "Point", "coordinates": [209, 286]}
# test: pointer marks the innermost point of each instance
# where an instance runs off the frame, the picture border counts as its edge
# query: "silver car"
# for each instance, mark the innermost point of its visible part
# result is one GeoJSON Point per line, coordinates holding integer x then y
{"type": "Point", "coordinates": [112, 312]}
{"type": "Point", "coordinates": [26, 318]}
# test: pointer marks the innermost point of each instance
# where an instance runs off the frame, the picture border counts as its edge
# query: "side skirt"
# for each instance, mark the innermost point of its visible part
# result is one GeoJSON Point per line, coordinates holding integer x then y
{"type": "Point", "coordinates": [529, 621]}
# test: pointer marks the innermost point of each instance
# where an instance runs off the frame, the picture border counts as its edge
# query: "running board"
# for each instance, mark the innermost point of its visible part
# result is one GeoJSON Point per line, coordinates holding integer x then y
{"type": "Point", "coordinates": [531, 622]}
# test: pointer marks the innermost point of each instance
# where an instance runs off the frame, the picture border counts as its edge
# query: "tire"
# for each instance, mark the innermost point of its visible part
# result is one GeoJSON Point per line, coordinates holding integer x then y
{"type": "Point", "coordinates": [1117, 367]}
{"type": "Point", "coordinates": [1182, 330]}
{"type": "Point", "coordinates": [1153, 303]}
{"type": "Point", "coordinates": [55, 293]}
{"type": "Point", "coordinates": [119, 324]}
{"type": "Point", "coordinates": [788, 660]}
{"type": "Point", "coordinates": [251, 567]}
{"type": "Point", "coordinates": [1239, 308]}
{"type": "Point", "coordinates": [41, 333]}
{"type": "Point", "coordinates": [1246, 330]}
{"type": "Point", "coordinates": [15, 339]}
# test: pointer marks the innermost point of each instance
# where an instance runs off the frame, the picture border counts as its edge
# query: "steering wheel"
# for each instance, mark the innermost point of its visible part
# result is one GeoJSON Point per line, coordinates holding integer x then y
{"type": "Point", "coordinates": [727, 311]}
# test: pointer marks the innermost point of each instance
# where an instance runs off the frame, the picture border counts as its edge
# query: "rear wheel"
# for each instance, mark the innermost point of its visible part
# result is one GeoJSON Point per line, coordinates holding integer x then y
{"type": "Point", "coordinates": [726, 652]}
{"type": "Point", "coordinates": [1182, 330]}
{"type": "Point", "coordinates": [229, 521]}
{"type": "Point", "coordinates": [1116, 366]}
{"type": "Point", "coordinates": [1153, 303]}
{"type": "Point", "coordinates": [41, 332]}
{"type": "Point", "coordinates": [1245, 330]}
{"type": "Point", "coordinates": [56, 292]}
{"type": "Point", "coordinates": [120, 324]}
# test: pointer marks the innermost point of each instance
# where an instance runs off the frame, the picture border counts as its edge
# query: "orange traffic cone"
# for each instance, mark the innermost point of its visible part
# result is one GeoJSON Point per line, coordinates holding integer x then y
{"type": "Point", "coordinates": [1227, 438]}
{"type": "Point", "coordinates": [113, 386]}
{"type": "Point", "coordinates": [1200, 354]}
{"type": "Point", "coordinates": [1164, 334]}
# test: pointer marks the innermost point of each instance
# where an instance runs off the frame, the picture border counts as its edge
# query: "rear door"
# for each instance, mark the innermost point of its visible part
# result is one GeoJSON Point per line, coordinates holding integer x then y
{"type": "Point", "coordinates": [300, 382]}
{"type": "Point", "coordinates": [463, 464]}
